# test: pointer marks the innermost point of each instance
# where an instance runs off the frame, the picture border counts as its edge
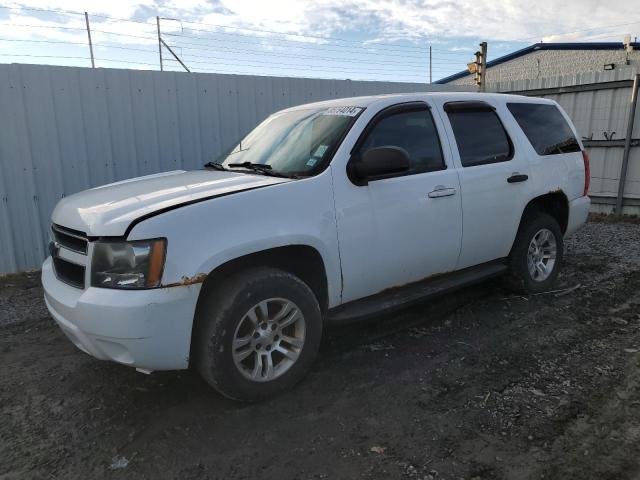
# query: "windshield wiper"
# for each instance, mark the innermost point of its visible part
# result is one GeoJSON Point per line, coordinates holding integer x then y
{"type": "Point", "coordinates": [215, 166]}
{"type": "Point", "coordinates": [251, 166]}
{"type": "Point", "coordinates": [259, 168]}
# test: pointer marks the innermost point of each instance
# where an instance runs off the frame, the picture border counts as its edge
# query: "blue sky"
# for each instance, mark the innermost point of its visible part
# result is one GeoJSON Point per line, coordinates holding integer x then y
{"type": "Point", "coordinates": [356, 39]}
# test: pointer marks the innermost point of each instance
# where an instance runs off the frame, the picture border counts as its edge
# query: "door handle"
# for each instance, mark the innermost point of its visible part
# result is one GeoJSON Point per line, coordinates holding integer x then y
{"type": "Point", "coordinates": [441, 191]}
{"type": "Point", "coordinates": [517, 177]}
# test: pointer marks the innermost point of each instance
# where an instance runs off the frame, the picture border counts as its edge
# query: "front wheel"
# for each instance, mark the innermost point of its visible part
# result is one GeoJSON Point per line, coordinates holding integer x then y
{"type": "Point", "coordinates": [257, 334]}
{"type": "Point", "coordinates": [536, 257]}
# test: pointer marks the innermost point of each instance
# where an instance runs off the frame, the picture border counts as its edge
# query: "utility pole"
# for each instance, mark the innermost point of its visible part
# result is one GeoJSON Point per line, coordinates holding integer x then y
{"type": "Point", "coordinates": [479, 67]}
{"type": "Point", "coordinates": [627, 144]}
{"type": "Point", "coordinates": [430, 70]}
{"type": "Point", "coordinates": [159, 43]}
{"type": "Point", "coordinates": [86, 19]}
{"type": "Point", "coordinates": [483, 67]}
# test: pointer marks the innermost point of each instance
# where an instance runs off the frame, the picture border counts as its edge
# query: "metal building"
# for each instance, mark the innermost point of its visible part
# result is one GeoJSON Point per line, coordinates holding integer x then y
{"type": "Point", "coordinates": [554, 59]}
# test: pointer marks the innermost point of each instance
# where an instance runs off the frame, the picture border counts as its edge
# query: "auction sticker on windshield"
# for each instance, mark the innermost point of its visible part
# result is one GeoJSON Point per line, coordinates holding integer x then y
{"type": "Point", "coordinates": [346, 111]}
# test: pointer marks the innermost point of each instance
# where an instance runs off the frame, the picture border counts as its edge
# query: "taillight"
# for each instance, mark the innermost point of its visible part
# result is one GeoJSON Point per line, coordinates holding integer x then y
{"type": "Point", "coordinates": [587, 173]}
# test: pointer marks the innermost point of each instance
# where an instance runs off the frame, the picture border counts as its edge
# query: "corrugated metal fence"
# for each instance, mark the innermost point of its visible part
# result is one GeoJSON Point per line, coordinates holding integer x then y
{"type": "Point", "coordinates": [598, 103]}
{"type": "Point", "coordinates": [65, 129]}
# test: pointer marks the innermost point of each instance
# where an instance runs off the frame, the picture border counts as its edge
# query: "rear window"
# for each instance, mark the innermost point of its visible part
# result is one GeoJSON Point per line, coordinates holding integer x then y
{"type": "Point", "coordinates": [480, 137]}
{"type": "Point", "coordinates": [545, 127]}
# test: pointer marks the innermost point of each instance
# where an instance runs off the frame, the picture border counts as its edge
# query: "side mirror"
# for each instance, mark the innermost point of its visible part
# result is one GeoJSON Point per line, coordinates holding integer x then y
{"type": "Point", "coordinates": [380, 161]}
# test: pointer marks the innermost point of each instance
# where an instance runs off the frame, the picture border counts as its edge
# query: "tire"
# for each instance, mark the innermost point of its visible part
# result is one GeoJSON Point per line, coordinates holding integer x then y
{"type": "Point", "coordinates": [535, 225]}
{"type": "Point", "coordinates": [240, 308]}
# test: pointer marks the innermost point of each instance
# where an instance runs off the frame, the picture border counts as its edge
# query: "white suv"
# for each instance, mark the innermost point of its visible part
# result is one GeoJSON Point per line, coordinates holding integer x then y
{"type": "Point", "coordinates": [325, 211]}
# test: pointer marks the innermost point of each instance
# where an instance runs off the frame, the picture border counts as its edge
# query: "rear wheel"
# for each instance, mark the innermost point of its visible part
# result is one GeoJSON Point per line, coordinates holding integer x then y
{"type": "Point", "coordinates": [536, 256]}
{"type": "Point", "coordinates": [257, 334]}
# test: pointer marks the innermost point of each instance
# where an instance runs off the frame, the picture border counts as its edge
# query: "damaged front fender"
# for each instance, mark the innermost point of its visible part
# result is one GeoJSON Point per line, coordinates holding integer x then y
{"type": "Point", "coordinates": [184, 281]}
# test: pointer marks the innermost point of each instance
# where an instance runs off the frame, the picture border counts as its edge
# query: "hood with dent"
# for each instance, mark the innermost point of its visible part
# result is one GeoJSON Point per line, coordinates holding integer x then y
{"type": "Point", "coordinates": [110, 209]}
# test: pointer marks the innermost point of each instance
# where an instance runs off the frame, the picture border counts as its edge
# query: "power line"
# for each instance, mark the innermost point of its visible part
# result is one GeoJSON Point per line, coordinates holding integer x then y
{"type": "Point", "coordinates": [258, 63]}
{"type": "Point", "coordinates": [149, 37]}
{"type": "Point", "coordinates": [273, 32]}
{"type": "Point", "coordinates": [311, 47]}
{"type": "Point", "coordinates": [191, 55]}
{"type": "Point", "coordinates": [152, 38]}
{"type": "Point", "coordinates": [335, 60]}
{"type": "Point", "coordinates": [286, 66]}
{"type": "Point", "coordinates": [82, 29]}
{"type": "Point", "coordinates": [306, 57]}
{"type": "Point", "coordinates": [240, 50]}
{"type": "Point", "coordinates": [389, 48]}
{"type": "Point", "coordinates": [242, 64]}
{"type": "Point", "coordinates": [285, 71]}
{"type": "Point", "coordinates": [84, 44]}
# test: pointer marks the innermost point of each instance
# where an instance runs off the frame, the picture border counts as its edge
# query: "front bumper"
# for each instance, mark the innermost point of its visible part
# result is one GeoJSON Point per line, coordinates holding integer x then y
{"type": "Point", "coordinates": [146, 329]}
{"type": "Point", "coordinates": [578, 213]}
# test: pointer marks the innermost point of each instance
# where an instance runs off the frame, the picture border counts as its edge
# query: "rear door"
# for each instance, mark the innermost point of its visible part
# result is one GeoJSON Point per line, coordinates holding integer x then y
{"type": "Point", "coordinates": [494, 178]}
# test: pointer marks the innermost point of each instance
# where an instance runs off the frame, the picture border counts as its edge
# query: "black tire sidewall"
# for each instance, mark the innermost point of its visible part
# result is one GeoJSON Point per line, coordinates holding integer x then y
{"type": "Point", "coordinates": [532, 224]}
{"type": "Point", "coordinates": [221, 315]}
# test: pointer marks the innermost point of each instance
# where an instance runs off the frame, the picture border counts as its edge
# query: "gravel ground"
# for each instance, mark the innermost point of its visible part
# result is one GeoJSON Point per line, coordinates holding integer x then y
{"type": "Point", "coordinates": [482, 384]}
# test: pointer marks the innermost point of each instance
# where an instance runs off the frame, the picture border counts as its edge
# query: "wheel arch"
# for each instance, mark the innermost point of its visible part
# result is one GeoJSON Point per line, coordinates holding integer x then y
{"type": "Point", "coordinates": [553, 203]}
{"type": "Point", "coordinates": [303, 261]}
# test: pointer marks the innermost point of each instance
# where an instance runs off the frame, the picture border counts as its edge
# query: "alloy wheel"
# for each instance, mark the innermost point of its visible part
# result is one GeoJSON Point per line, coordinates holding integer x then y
{"type": "Point", "coordinates": [541, 255]}
{"type": "Point", "coordinates": [269, 339]}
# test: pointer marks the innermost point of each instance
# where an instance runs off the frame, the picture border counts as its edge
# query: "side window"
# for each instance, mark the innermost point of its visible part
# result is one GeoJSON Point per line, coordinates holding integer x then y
{"type": "Point", "coordinates": [545, 127]}
{"type": "Point", "coordinates": [480, 136]}
{"type": "Point", "coordinates": [412, 130]}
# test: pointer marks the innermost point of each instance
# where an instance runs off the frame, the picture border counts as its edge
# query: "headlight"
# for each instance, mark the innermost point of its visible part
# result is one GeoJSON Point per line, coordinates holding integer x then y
{"type": "Point", "coordinates": [131, 265]}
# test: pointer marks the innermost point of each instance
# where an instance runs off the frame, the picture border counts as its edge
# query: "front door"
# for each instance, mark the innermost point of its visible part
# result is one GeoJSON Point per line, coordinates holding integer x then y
{"type": "Point", "coordinates": [399, 229]}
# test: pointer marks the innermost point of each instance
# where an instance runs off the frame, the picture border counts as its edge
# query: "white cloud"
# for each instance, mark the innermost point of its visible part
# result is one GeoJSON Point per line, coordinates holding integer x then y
{"type": "Point", "coordinates": [374, 19]}
{"type": "Point", "coordinates": [504, 20]}
{"type": "Point", "coordinates": [112, 8]}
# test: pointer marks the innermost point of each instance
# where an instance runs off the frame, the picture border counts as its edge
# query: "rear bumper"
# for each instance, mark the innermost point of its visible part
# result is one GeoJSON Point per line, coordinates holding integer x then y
{"type": "Point", "coordinates": [578, 213]}
{"type": "Point", "coordinates": [148, 329]}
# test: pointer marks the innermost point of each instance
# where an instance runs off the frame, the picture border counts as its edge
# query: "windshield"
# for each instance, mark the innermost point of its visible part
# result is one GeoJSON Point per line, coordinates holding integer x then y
{"type": "Point", "coordinates": [293, 143]}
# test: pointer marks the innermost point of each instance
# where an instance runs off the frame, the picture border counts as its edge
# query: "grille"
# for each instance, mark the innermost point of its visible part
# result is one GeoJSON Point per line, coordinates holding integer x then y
{"type": "Point", "coordinates": [69, 267]}
{"type": "Point", "coordinates": [70, 239]}
{"type": "Point", "coordinates": [69, 273]}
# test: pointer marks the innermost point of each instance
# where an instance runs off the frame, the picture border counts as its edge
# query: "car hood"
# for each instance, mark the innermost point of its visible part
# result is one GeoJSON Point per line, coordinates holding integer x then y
{"type": "Point", "coordinates": [110, 209]}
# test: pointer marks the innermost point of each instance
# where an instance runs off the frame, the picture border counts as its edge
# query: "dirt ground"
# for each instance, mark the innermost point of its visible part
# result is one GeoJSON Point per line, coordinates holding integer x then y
{"type": "Point", "coordinates": [481, 384]}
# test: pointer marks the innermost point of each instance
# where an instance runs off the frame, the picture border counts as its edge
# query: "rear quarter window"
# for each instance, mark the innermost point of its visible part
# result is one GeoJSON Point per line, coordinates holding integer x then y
{"type": "Point", "coordinates": [545, 128]}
